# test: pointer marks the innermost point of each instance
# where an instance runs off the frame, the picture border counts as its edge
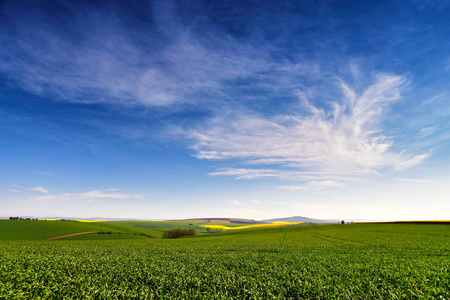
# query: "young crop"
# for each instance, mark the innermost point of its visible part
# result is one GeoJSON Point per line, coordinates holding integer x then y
{"type": "Point", "coordinates": [361, 261]}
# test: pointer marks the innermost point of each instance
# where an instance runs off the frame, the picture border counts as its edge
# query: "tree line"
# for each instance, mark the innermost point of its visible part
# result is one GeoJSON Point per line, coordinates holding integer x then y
{"type": "Point", "coordinates": [18, 218]}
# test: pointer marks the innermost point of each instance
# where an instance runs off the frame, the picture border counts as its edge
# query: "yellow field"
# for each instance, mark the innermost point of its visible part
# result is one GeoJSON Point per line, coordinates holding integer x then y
{"type": "Point", "coordinates": [274, 224]}
{"type": "Point", "coordinates": [86, 221]}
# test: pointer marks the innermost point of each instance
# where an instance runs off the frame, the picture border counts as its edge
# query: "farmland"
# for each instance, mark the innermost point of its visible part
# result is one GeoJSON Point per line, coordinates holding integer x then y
{"type": "Point", "coordinates": [40, 230]}
{"type": "Point", "coordinates": [159, 225]}
{"type": "Point", "coordinates": [225, 227]}
{"type": "Point", "coordinates": [200, 224]}
{"type": "Point", "coordinates": [363, 261]}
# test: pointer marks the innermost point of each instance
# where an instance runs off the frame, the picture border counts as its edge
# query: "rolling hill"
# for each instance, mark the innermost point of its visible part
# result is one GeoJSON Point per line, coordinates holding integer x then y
{"type": "Point", "coordinates": [297, 219]}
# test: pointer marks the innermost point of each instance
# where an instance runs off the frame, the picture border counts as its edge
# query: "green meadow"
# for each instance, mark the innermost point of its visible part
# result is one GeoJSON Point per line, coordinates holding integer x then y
{"type": "Point", "coordinates": [352, 261]}
{"type": "Point", "coordinates": [40, 229]}
{"type": "Point", "coordinates": [161, 225]}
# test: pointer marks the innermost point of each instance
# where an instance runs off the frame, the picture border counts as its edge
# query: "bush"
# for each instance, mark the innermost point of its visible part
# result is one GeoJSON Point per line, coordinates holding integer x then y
{"type": "Point", "coordinates": [178, 232]}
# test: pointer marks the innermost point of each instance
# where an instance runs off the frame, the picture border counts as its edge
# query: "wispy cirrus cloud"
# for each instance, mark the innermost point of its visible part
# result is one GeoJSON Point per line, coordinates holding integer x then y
{"type": "Point", "coordinates": [427, 131]}
{"type": "Point", "coordinates": [40, 189]}
{"type": "Point", "coordinates": [91, 56]}
{"type": "Point", "coordinates": [238, 203]}
{"type": "Point", "coordinates": [315, 143]}
{"type": "Point", "coordinates": [35, 189]}
{"type": "Point", "coordinates": [245, 173]}
{"type": "Point", "coordinates": [313, 185]}
{"type": "Point", "coordinates": [89, 196]}
{"type": "Point", "coordinates": [415, 180]}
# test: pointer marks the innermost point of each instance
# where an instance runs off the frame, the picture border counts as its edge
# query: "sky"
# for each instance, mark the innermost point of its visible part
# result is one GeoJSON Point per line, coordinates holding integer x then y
{"type": "Point", "coordinates": [249, 109]}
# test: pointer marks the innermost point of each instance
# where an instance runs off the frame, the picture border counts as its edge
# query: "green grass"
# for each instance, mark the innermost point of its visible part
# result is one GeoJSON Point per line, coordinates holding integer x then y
{"type": "Point", "coordinates": [40, 229]}
{"type": "Point", "coordinates": [103, 237]}
{"type": "Point", "coordinates": [155, 233]}
{"type": "Point", "coordinates": [360, 261]}
{"type": "Point", "coordinates": [162, 225]}
{"type": "Point", "coordinates": [228, 224]}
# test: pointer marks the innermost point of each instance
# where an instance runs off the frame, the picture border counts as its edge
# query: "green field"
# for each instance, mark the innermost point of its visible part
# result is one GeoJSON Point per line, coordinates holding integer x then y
{"type": "Point", "coordinates": [40, 229]}
{"type": "Point", "coordinates": [162, 225]}
{"type": "Point", "coordinates": [185, 224]}
{"type": "Point", "coordinates": [355, 261]}
{"type": "Point", "coordinates": [103, 237]}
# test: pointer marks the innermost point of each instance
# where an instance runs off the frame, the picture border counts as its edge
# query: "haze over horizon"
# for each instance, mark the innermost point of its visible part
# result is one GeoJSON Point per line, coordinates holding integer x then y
{"type": "Point", "coordinates": [258, 110]}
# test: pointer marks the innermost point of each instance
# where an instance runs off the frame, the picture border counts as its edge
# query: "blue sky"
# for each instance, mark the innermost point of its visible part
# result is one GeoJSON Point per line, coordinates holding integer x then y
{"type": "Point", "coordinates": [261, 109]}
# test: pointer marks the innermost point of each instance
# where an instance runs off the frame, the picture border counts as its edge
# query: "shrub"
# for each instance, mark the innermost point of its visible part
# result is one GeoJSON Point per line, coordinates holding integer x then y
{"type": "Point", "coordinates": [178, 232]}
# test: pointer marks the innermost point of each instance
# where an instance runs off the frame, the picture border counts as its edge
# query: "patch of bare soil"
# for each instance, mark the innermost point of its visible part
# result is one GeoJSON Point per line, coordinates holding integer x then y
{"type": "Point", "coordinates": [69, 235]}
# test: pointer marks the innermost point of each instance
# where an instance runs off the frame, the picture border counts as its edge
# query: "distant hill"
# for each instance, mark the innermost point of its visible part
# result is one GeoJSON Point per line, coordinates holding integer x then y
{"type": "Point", "coordinates": [297, 219]}
{"type": "Point", "coordinates": [221, 220]}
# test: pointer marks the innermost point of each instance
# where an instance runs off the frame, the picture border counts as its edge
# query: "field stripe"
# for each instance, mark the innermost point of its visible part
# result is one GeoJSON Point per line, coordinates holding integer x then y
{"type": "Point", "coordinates": [69, 235]}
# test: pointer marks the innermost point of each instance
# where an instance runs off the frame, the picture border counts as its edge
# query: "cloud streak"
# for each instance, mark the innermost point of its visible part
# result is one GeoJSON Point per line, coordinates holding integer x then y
{"type": "Point", "coordinates": [89, 196]}
{"type": "Point", "coordinates": [35, 189]}
{"type": "Point", "coordinates": [313, 185]}
{"type": "Point", "coordinates": [415, 180]}
{"type": "Point", "coordinates": [98, 59]}
{"type": "Point", "coordinates": [345, 140]}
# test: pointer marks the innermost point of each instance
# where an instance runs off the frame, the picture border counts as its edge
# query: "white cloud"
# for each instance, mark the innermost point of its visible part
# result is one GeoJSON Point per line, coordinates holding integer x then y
{"type": "Point", "coordinates": [15, 191]}
{"type": "Point", "coordinates": [89, 196]}
{"type": "Point", "coordinates": [323, 183]}
{"type": "Point", "coordinates": [427, 131]}
{"type": "Point", "coordinates": [312, 185]}
{"type": "Point", "coordinates": [246, 173]}
{"type": "Point", "coordinates": [405, 164]}
{"type": "Point", "coordinates": [415, 180]}
{"type": "Point", "coordinates": [116, 66]}
{"type": "Point", "coordinates": [345, 140]}
{"type": "Point", "coordinates": [39, 189]}
{"type": "Point", "coordinates": [238, 203]}
{"type": "Point", "coordinates": [35, 189]}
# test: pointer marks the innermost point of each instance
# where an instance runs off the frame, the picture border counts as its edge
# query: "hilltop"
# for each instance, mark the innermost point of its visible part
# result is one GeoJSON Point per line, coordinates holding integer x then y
{"type": "Point", "coordinates": [221, 220]}
{"type": "Point", "coordinates": [298, 219]}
